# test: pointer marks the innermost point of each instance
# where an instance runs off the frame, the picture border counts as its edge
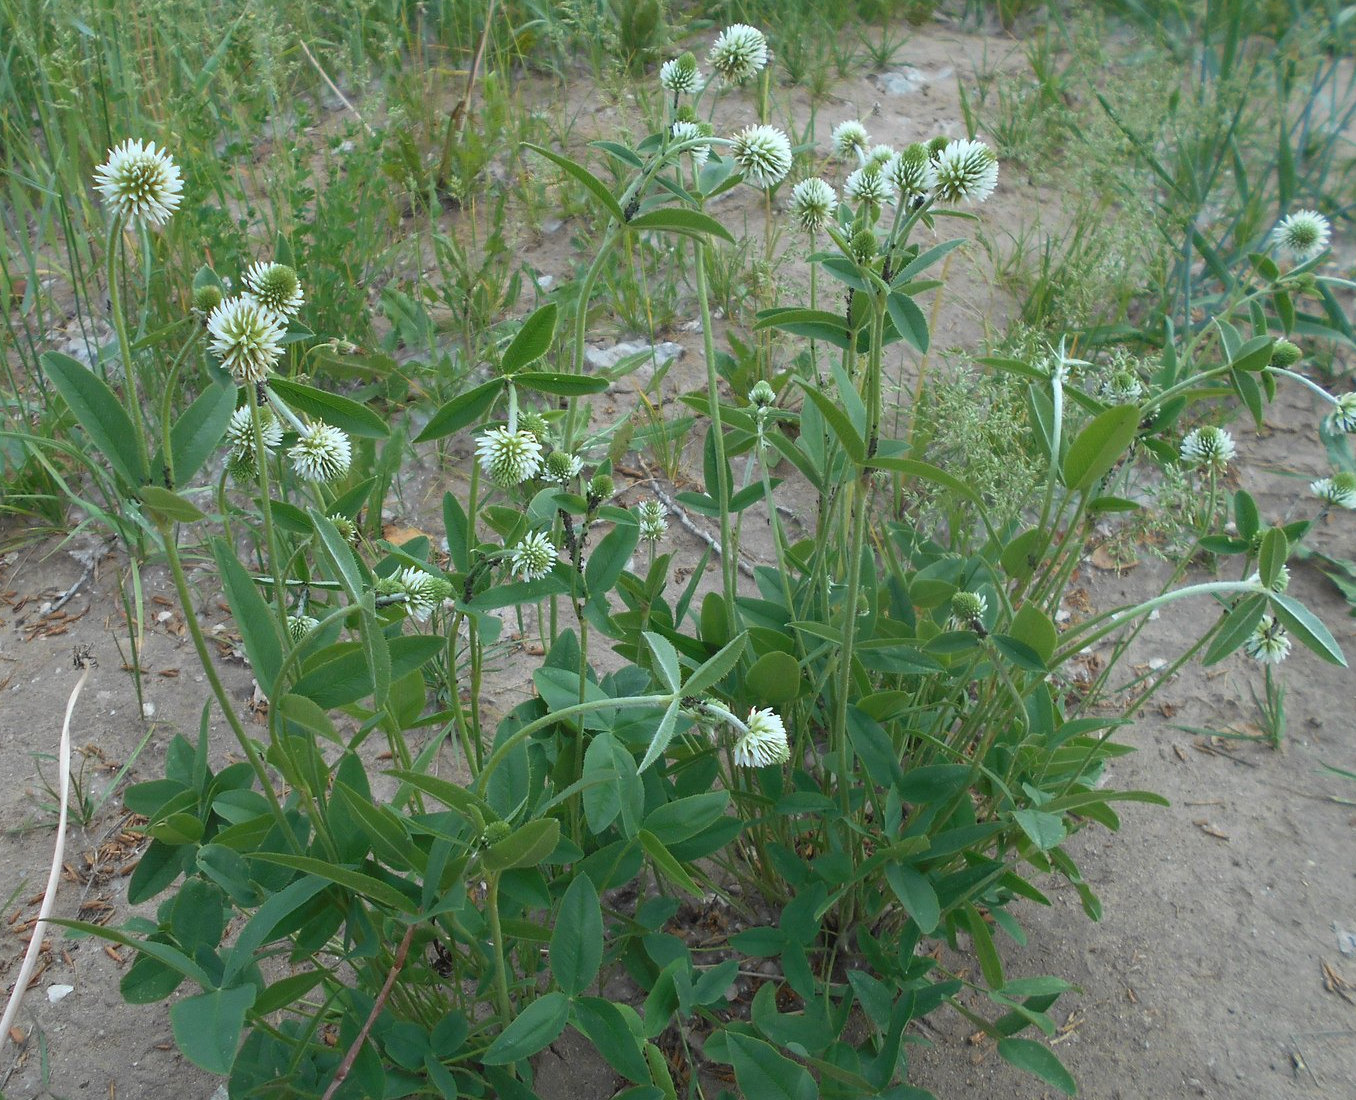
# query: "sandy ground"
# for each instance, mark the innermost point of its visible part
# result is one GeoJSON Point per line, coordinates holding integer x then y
{"type": "Point", "coordinates": [1216, 971]}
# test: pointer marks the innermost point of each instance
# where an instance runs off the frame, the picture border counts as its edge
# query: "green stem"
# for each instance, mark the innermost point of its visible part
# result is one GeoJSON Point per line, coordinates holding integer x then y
{"type": "Point", "coordinates": [131, 389]}
{"type": "Point", "coordinates": [728, 551]}
{"type": "Point", "coordinates": [501, 989]}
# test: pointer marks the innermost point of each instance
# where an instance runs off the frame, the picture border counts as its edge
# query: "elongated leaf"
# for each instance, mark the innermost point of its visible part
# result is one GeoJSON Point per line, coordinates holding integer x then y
{"type": "Point", "coordinates": [666, 659]}
{"type": "Point", "coordinates": [374, 889]}
{"type": "Point", "coordinates": [99, 412]}
{"type": "Point", "coordinates": [663, 734]}
{"type": "Point", "coordinates": [561, 385]}
{"type": "Point", "coordinates": [169, 505]}
{"type": "Point", "coordinates": [591, 183]}
{"type": "Point", "coordinates": [1037, 1058]}
{"type": "Point", "coordinates": [343, 413]}
{"type": "Point", "coordinates": [713, 670]}
{"type": "Point", "coordinates": [537, 1027]}
{"type": "Point", "coordinates": [1238, 625]}
{"type": "Point", "coordinates": [461, 411]}
{"type": "Point", "coordinates": [1271, 555]}
{"type": "Point", "coordinates": [605, 1026]}
{"type": "Point", "coordinates": [207, 1027]}
{"type": "Point", "coordinates": [762, 1072]}
{"type": "Point", "coordinates": [915, 892]}
{"type": "Point", "coordinates": [258, 625]}
{"type": "Point", "coordinates": [1099, 446]}
{"type": "Point", "coordinates": [668, 863]}
{"type": "Point", "coordinates": [450, 794]}
{"type": "Point", "coordinates": [198, 431]}
{"type": "Point", "coordinates": [926, 471]}
{"type": "Point", "coordinates": [533, 340]}
{"type": "Point", "coordinates": [674, 219]}
{"type": "Point", "coordinates": [1306, 626]}
{"type": "Point", "coordinates": [343, 675]}
{"type": "Point", "coordinates": [526, 846]}
{"type": "Point", "coordinates": [838, 423]}
{"type": "Point", "coordinates": [577, 940]}
{"type": "Point", "coordinates": [908, 319]}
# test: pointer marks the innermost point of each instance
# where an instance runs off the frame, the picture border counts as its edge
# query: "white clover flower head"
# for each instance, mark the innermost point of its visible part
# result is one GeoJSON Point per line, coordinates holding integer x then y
{"type": "Point", "coordinates": [650, 517]}
{"type": "Point", "coordinates": [533, 557]}
{"type": "Point", "coordinates": [1301, 235]}
{"type": "Point", "coordinates": [423, 592]}
{"type": "Point", "coordinates": [869, 185]}
{"type": "Point", "coordinates": [812, 204]}
{"type": "Point", "coordinates": [1338, 491]}
{"type": "Point", "coordinates": [684, 130]}
{"type": "Point", "coordinates": [913, 172]}
{"type": "Point", "coordinates": [246, 337]}
{"type": "Point", "coordinates": [508, 458]}
{"type": "Point", "coordinates": [850, 139]}
{"type": "Point", "coordinates": [967, 171]}
{"type": "Point", "coordinates": [322, 452]}
{"type": "Point", "coordinates": [1269, 642]}
{"type": "Point", "coordinates": [763, 741]}
{"type": "Point", "coordinates": [240, 430]}
{"type": "Point", "coordinates": [680, 75]}
{"type": "Point", "coordinates": [1208, 447]}
{"type": "Point", "coordinates": [1344, 414]}
{"type": "Point", "coordinates": [562, 467]}
{"type": "Point", "coordinates": [298, 626]}
{"type": "Point", "coordinates": [739, 52]}
{"type": "Point", "coordinates": [1122, 388]}
{"type": "Point", "coordinates": [140, 183]}
{"type": "Point", "coordinates": [763, 153]}
{"type": "Point", "coordinates": [1280, 584]}
{"type": "Point", "coordinates": [276, 287]}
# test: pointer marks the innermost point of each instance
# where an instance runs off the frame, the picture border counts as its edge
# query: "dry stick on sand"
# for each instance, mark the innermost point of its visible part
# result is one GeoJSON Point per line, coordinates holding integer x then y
{"type": "Point", "coordinates": [85, 662]}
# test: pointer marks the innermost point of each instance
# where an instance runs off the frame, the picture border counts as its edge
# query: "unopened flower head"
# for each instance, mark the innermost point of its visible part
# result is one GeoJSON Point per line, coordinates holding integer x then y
{"type": "Point", "coordinates": [600, 489]}
{"type": "Point", "coordinates": [913, 173]}
{"type": "Point", "coordinates": [763, 153]}
{"type": "Point", "coordinates": [967, 610]}
{"type": "Point", "coordinates": [275, 287]}
{"type": "Point", "coordinates": [680, 75]}
{"type": "Point", "coordinates": [967, 171]}
{"type": "Point", "coordinates": [533, 557]}
{"type": "Point", "coordinates": [1338, 491]}
{"type": "Point", "coordinates": [869, 185]}
{"type": "Point", "coordinates": [348, 530]}
{"type": "Point", "coordinates": [508, 458]}
{"type": "Point", "coordinates": [1123, 388]}
{"type": "Point", "coordinates": [140, 183]}
{"type": "Point", "coordinates": [762, 395]}
{"type": "Point", "coordinates": [1301, 235]}
{"type": "Point", "coordinates": [529, 420]}
{"type": "Point", "coordinates": [1208, 447]}
{"type": "Point", "coordinates": [322, 452]}
{"type": "Point", "coordinates": [880, 156]}
{"type": "Point", "coordinates": [812, 204]}
{"type": "Point", "coordinates": [1285, 354]}
{"type": "Point", "coordinates": [850, 140]}
{"type": "Point", "coordinates": [739, 52]}
{"type": "Point", "coordinates": [240, 430]}
{"type": "Point", "coordinates": [689, 131]}
{"type": "Point", "coordinates": [650, 518]}
{"type": "Point", "coordinates": [423, 591]}
{"type": "Point", "coordinates": [1344, 415]}
{"type": "Point", "coordinates": [1269, 642]}
{"type": "Point", "coordinates": [206, 298]}
{"type": "Point", "coordinates": [298, 626]}
{"type": "Point", "coordinates": [246, 337]}
{"type": "Point", "coordinates": [562, 467]}
{"type": "Point", "coordinates": [763, 741]}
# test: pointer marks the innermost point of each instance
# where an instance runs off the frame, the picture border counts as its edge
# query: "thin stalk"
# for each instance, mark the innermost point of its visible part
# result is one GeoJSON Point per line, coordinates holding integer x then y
{"type": "Point", "coordinates": [728, 551]}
